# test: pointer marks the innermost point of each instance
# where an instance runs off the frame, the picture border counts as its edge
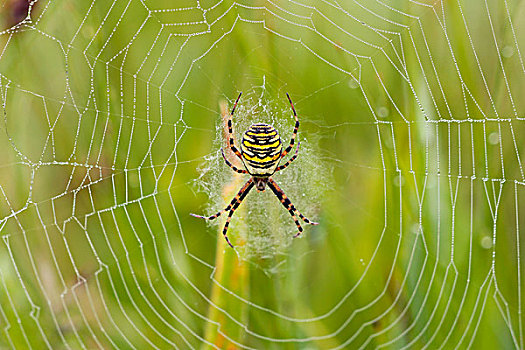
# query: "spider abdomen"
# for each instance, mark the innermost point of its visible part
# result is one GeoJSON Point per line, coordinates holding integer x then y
{"type": "Point", "coordinates": [261, 149]}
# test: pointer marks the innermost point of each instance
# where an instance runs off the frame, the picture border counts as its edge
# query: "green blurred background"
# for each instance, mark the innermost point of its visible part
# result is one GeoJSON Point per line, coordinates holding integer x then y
{"type": "Point", "coordinates": [412, 130]}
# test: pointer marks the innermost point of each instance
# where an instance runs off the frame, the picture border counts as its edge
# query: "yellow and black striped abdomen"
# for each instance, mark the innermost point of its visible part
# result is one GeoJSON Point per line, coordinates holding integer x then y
{"type": "Point", "coordinates": [261, 149]}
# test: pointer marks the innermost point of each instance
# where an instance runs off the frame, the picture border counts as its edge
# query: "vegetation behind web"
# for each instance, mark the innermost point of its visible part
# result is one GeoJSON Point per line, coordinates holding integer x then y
{"type": "Point", "coordinates": [411, 158]}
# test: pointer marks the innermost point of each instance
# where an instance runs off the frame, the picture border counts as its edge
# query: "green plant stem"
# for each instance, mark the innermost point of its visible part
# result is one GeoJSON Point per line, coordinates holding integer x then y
{"type": "Point", "coordinates": [231, 274]}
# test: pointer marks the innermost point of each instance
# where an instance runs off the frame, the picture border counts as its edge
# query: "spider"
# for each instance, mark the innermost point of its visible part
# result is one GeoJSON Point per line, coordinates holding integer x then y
{"type": "Point", "coordinates": [261, 153]}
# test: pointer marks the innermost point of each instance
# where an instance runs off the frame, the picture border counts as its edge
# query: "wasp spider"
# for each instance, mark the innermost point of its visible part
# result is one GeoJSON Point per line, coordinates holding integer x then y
{"type": "Point", "coordinates": [261, 152]}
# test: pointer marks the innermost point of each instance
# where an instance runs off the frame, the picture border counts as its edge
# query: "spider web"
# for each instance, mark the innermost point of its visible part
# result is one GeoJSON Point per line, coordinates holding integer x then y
{"type": "Point", "coordinates": [413, 126]}
{"type": "Point", "coordinates": [308, 181]}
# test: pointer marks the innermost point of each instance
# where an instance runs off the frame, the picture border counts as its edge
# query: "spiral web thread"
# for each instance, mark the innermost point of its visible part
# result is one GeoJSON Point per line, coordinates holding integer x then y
{"type": "Point", "coordinates": [94, 251]}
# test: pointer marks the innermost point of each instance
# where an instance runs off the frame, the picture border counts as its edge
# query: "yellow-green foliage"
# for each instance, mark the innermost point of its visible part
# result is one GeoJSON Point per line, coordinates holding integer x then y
{"type": "Point", "coordinates": [412, 160]}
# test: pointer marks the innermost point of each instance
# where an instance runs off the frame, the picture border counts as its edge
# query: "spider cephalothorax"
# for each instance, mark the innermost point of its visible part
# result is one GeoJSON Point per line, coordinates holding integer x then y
{"type": "Point", "coordinates": [261, 153]}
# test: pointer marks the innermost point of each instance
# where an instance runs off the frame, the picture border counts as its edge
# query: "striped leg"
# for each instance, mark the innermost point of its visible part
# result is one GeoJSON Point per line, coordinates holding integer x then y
{"type": "Point", "coordinates": [240, 171]}
{"type": "Point", "coordinates": [289, 206]}
{"type": "Point", "coordinates": [304, 218]}
{"type": "Point", "coordinates": [239, 197]}
{"type": "Point", "coordinates": [230, 130]}
{"type": "Point", "coordinates": [297, 223]}
{"type": "Point", "coordinates": [294, 135]}
{"type": "Point", "coordinates": [285, 165]}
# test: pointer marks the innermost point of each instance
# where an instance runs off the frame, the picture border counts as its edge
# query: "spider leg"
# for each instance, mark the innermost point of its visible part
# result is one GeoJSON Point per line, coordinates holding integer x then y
{"type": "Point", "coordinates": [285, 165]}
{"type": "Point", "coordinates": [239, 198]}
{"type": "Point", "coordinates": [289, 206]}
{"type": "Point", "coordinates": [294, 134]}
{"type": "Point", "coordinates": [247, 186]}
{"type": "Point", "coordinates": [228, 163]}
{"type": "Point", "coordinates": [234, 204]}
{"type": "Point", "coordinates": [230, 130]}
